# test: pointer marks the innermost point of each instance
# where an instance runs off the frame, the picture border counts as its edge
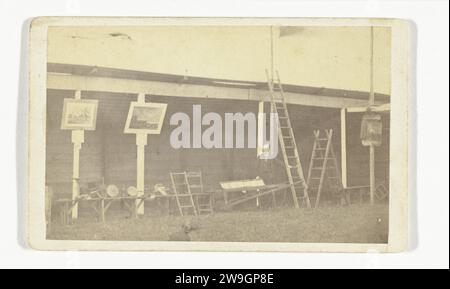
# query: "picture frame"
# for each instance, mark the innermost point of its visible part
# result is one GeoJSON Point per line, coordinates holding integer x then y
{"type": "Point", "coordinates": [145, 117]}
{"type": "Point", "coordinates": [79, 114]}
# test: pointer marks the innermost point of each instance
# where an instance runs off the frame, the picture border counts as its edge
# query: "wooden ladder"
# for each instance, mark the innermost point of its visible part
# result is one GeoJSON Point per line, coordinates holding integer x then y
{"type": "Point", "coordinates": [323, 164]}
{"type": "Point", "coordinates": [298, 185]}
{"type": "Point", "coordinates": [202, 200]}
{"type": "Point", "coordinates": [183, 194]}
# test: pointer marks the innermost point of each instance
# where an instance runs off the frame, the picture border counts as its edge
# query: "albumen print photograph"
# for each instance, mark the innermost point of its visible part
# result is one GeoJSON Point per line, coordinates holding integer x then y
{"type": "Point", "coordinates": [245, 134]}
{"type": "Point", "coordinates": [79, 114]}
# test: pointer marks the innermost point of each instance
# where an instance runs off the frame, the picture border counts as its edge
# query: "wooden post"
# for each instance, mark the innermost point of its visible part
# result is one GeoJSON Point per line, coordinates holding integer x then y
{"type": "Point", "coordinates": [141, 142]}
{"type": "Point", "coordinates": [372, 174]}
{"type": "Point", "coordinates": [102, 210]}
{"type": "Point", "coordinates": [371, 103]}
{"type": "Point", "coordinates": [77, 140]}
{"type": "Point", "coordinates": [261, 130]}
{"type": "Point", "coordinates": [271, 53]}
{"type": "Point", "coordinates": [344, 147]}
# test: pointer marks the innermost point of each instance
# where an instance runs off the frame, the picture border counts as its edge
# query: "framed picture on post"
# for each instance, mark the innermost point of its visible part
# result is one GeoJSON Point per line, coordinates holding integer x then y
{"type": "Point", "coordinates": [145, 117]}
{"type": "Point", "coordinates": [79, 114]}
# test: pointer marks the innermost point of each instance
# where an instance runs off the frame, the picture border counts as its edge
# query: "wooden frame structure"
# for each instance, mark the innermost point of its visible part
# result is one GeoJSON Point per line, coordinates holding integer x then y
{"type": "Point", "coordinates": [73, 80]}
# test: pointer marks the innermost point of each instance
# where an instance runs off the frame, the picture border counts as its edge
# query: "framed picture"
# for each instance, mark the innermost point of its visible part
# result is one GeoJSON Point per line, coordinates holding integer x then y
{"type": "Point", "coordinates": [79, 114]}
{"type": "Point", "coordinates": [145, 118]}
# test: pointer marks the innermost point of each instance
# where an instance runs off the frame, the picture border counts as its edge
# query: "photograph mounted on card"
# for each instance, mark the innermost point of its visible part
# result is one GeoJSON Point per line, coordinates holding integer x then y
{"type": "Point", "coordinates": [145, 118]}
{"type": "Point", "coordinates": [256, 152]}
{"type": "Point", "coordinates": [79, 114]}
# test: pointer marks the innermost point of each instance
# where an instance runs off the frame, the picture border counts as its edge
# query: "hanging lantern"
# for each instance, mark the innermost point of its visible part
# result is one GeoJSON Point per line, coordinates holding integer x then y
{"type": "Point", "coordinates": [371, 129]}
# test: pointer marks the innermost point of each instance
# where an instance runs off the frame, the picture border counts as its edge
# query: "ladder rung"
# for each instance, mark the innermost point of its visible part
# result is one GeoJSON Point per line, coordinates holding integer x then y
{"type": "Point", "coordinates": [321, 139]}
{"type": "Point", "coordinates": [180, 197]}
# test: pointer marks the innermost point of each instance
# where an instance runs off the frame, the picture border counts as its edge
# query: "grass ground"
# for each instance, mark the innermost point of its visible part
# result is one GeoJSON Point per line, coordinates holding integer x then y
{"type": "Point", "coordinates": [355, 224]}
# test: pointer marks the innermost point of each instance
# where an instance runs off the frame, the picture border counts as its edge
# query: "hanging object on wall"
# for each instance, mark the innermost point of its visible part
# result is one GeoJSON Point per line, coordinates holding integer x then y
{"type": "Point", "coordinates": [79, 114]}
{"type": "Point", "coordinates": [371, 129]}
{"type": "Point", "coordinates": [145, 118]}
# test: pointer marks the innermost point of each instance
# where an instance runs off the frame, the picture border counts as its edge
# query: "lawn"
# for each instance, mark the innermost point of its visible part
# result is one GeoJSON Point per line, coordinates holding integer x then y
{"type": "Point", "coordinates": [355, 224]}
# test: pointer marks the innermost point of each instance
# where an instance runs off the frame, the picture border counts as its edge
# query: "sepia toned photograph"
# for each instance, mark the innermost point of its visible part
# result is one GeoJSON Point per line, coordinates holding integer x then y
{"type": "Point", "coordinates": [146, 117]}
{"type": "Point", "coordinates": [79, 114]}
{"type": "Point", "coordinates": [234, 135]}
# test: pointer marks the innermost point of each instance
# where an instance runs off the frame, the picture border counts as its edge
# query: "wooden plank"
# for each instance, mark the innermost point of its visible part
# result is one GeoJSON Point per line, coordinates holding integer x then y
{"type": "Point", "coordinates": [141, 142]}
{"type": "Point", "coordinates": [386, 107]}
{"type": "Point", "coordinates": [257, 195]}
{"type": "Point", "coordinates": [127, 86]}
{"type": "Point", "coordinates": [344, 146]}
{"type": "Point", "coordinates": [372, 103]}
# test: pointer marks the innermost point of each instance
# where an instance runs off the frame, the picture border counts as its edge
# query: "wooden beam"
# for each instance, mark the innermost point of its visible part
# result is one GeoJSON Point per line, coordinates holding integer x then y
{"type": "Point", "coordinates": [141, 143]}
{"type": "Point", "coordinates": [77, 140]}
{"type": "Point", "coordinates": [372, 103]}
{"type": "Point", "coordinates": [380, 108]}
{"type": "Point", "coordinates": [118, 85]}
{"type": "Point", "coordinates": [261, 129]}
{"type": "Point", "coordinates": [344, 147]}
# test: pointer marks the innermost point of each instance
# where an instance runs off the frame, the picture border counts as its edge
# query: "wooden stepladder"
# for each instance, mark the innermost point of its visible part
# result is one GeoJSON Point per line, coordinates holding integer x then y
{"type": "Point", "coordinates": [183, 194]}
{"type": "Point", "coordinates": [202, 200]}
{"type": "Point", "coordinates": [323, 165]}
{"type": "Point", "coordinates": [294, 170]}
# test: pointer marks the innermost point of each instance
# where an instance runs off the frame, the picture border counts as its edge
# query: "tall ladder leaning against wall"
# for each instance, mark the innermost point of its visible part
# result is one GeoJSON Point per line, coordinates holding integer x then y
{"type": "Point", "coordinates": [294, 170]}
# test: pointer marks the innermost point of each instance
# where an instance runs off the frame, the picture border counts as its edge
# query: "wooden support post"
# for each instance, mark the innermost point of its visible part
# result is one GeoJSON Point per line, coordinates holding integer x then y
{"type": "Point", "coordinates": [372, 174]}
{"type": "Point", "coordinates": [261, 130]}
{"type": "Point", "coordinates": [77, 140]}
{"type": "Point", "coordinates": [141, 142]}
{"type": "Point", "coordinates": [371, 103]}
{"type": "Point", "coordinates": [102, 210]}
{"type": "Point", "coordinates": [344, 147]}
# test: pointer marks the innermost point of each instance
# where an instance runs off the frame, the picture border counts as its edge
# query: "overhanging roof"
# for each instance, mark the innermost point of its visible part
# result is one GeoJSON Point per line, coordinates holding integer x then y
{"type": "Point", "coordinates": [105, 72]}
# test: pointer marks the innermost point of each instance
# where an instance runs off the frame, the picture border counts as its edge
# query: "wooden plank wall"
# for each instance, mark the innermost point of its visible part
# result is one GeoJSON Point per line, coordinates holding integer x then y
{"type": "Point", "coordinates": [110, 154]}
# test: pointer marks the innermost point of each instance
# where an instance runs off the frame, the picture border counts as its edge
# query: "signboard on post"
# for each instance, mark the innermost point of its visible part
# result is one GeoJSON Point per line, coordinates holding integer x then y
{"type": "Point", "coordinates": [371, 129]}
{"type": "Point", "coordinates": [144, 118]}
{"type": "Point", "coordinates": [78, 115]}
